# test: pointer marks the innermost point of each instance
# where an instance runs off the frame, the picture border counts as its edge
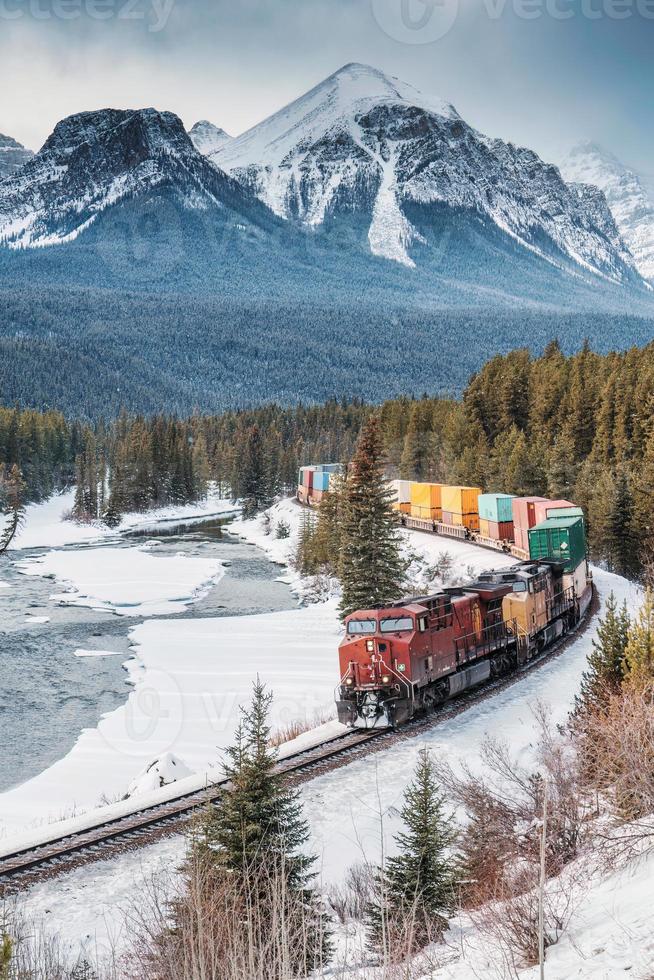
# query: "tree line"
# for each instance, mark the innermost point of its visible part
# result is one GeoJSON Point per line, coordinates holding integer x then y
{"type": "Point", "coordinates": [577, 427]}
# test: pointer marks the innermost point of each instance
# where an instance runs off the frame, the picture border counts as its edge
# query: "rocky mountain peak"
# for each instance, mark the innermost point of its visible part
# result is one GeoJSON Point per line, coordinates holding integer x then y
{"type": "Point", "coordinates": [207, 138]}
{"type": "Point", "coordinates": [13, 155]}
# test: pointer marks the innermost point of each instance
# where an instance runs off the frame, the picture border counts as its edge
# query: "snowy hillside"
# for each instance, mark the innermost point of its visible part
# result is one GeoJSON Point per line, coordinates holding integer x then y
{"type": "Point", "coordinates": [630, 202]}
{"type": "Point", "coordinates": [364, 142]}
{"type": "Point", "coordinates": [12, 155]}
{"type": "Point", "coordinates": [351, 810]}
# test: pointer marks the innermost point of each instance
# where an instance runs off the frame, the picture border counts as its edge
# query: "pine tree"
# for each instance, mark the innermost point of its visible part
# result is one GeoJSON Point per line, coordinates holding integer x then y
{"type": "Point", "coordinates": [257, 829]}
{"type": "Point", "coordinates": [639, 650]}
{"type": "Point", "coordinates": [83, 971]}
{"type": "Point", "coordinates": [12, 504]}
{"type": "Point", "coordinates": [371, 568]}
{"type": "Point", "coordinates": [606, 662]}
{"type": "Point", "coordinates": [417, 886]}
{"type": "Point", "coordinates": [620, 540]}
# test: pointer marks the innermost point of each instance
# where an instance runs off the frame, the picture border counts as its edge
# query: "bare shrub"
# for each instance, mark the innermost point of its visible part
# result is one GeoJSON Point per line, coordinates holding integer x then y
{"type": "Point", "coordinates": [504, 808]}
{"type": "Point", "coordinates": [510, 923]}
{"type": "Point", "coordinates": [617, 744]}
{"type": "Point", "coordinates": [350, 900]}
{"type": "Point", "coordinates": [226, 926]}
{"type": "Point", "coordinates": [35, 953]}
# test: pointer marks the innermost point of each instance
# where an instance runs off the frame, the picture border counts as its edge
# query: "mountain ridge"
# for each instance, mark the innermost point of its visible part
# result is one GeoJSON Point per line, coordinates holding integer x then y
{"type": "Point", "coordinates": [630, 201]}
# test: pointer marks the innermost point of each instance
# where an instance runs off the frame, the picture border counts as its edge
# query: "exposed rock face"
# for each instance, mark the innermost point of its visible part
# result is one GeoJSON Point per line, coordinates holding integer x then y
{"type": "Point", "coordinates": [12, 155]}
{"type": "Point", "coordinates": [632, 206]}
{"type": "Point", "coordinates": [94, 160]}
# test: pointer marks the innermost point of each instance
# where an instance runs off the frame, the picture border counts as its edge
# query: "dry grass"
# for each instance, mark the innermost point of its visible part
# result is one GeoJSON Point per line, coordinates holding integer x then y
{"type": "Point", "coordinates": [294, 728]}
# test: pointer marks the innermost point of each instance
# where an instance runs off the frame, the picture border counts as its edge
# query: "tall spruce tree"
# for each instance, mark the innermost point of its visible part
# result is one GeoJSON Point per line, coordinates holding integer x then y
{"type": "Point", "coordinates": [257, 831]}
{"type": "Point", "coordinates": [606, 661]}
{"type": "Point", "coordinates": [620, 535]}
{"type": "Point", "coordinates": [417, 886]}
{"type": "Point", "coordinates": [371, 568]}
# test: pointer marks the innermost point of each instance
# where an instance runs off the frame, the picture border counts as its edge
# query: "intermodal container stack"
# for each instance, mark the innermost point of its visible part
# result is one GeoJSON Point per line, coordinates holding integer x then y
{"type": "Point", "coordinates": [545, 508]}
{"type": "Point", "coordinates": [560, 538]}
{"type": "Point", "coordinates": [401, 495]}
{"type": "Point", "coordinates": [460, 506]}
{"type": "Point", "coordinates": [425, 501]}
{"type": "Point", "coordinates": [524, 518]}
{"type": "Point", "coordinates": [496, 516]}
{"type": "Point", "coordinates": [313, 481]}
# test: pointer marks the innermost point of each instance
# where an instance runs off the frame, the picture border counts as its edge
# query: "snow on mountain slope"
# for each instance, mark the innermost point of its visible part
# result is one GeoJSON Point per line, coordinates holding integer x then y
{"type": "Point", "coordinates": [362, 141]}
{"type": "Point", "coordinates": [93, 160]}
{"type": "Point", "coordinates": [207, 138]}
{"type": "Point", "coordinates": [12, 155]}
{"type": "Point", "coordinates": [630, 202]}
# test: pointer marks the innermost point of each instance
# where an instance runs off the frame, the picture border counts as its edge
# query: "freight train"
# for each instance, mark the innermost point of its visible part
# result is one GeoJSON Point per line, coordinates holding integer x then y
{"type": "Point", "coordinates": [398, 660]}
{"type": "Point", "coordinates": [410, 656]}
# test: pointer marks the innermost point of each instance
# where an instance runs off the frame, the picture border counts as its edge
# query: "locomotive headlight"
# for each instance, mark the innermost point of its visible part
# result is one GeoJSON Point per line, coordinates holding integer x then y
{"type": "Point", "coordinates": [349, 681]}
{"type": "Point", "coordinates": [386, 679]}
{"type": "Point", "coordinates": [370, 646]}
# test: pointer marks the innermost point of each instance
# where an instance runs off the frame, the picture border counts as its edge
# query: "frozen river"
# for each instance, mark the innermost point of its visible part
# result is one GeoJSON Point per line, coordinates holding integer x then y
{"type": "Point", "coordinates": [49, 695]}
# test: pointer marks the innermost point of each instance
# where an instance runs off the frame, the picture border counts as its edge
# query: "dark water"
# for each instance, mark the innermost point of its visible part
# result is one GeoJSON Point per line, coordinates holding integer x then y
{"type": "Point", "coordinates": [47, 695]}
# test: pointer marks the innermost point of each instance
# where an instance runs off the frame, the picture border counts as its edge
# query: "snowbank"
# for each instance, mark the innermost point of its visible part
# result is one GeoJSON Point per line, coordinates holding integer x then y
{"type": "Point", "coordinates": [128, 581]}
{"type": "Point", "coordinates": [45, 527]}
{"type": "Point", "coordinates": [189, 676]}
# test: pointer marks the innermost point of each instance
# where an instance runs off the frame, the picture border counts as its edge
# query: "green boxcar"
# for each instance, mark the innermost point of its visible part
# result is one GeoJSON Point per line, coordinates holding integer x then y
{"type": "Point", "coordinates": [560, 538]}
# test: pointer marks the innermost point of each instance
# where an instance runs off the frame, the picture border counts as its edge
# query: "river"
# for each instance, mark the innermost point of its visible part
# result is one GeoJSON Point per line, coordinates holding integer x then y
{"type": "Point", "coordinates": [48, 694]}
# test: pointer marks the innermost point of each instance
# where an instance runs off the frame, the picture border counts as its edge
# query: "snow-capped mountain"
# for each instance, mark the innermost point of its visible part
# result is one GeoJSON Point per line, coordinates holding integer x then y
{"type": "Point", "coordinates": [207, 138]}
{"type": "Point", "coordinates": [367, 143]}
{"type": "Point", "coordinates": [630, 203]}
{"type": "Point", "coordinates": [12, 155]}
{"type": "Point", "coordinates": [95, 160]}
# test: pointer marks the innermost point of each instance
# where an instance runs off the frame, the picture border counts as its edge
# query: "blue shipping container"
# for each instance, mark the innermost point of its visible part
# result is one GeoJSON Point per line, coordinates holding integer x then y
{"type": "Point", "coordinates": [495, 507]}
{"type": "Point", "coordinates": [321, 481]}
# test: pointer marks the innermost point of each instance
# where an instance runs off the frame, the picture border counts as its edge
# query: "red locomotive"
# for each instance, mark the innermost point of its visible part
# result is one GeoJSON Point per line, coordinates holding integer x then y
{"type": "Point", "coordinates": [416, 653]}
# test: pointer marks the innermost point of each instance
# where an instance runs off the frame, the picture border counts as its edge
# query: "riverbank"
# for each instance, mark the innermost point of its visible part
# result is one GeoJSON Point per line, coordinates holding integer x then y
{"type": "Point", "coordinates": [188, 674]}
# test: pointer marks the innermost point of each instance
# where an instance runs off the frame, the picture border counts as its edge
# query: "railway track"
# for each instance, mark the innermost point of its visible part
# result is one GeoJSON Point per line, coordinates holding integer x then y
{"type": "Point", "coordinates": [112, 837]}
{"type": "Point", "coordinates": [127, 832]}
{"type": "Point", "coordinates": [147, 825]}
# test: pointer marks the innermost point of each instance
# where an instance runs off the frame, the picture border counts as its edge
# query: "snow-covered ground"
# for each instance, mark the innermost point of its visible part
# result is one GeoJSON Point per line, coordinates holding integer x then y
{"type": "Point", "coordinates": [195, 677]}
{"type": "Point", "coordinates": [127, 581]}
{"type": "Point", "coordinates": [45, 525]}
{"type": "Point", "coordinates": [189, 676]}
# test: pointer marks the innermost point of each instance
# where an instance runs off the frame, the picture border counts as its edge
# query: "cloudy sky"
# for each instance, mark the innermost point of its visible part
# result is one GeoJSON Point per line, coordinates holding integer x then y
{"type": "Point", "coordinates": [543, 73]}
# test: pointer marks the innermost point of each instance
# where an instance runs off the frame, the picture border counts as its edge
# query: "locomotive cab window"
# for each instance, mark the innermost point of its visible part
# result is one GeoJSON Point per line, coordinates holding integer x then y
{"type": "Point", "coordinates": [357, 626]}
{"type": "Point", "coordinates": [398, 625]}
{"type": "Point", "coordinates": [422, 624]}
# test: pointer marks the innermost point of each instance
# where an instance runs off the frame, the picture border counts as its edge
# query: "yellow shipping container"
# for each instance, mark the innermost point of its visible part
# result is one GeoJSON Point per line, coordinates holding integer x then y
{"type": "Point", "coordinates": [471, 521]}
{"type": "Point", "coordinates": [426, 500]}
{"type": "Point", "coordinates": [484, 528]}
{"type": "Point", "coordinates": [460, 500]}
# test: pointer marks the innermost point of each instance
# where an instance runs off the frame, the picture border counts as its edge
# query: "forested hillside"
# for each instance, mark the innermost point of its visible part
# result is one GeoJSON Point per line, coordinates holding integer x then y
{"type": "Point", "coordinates": [576, 427]}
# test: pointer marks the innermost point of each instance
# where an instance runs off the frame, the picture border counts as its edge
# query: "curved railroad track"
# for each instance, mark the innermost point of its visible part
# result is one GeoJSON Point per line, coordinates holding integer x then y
{"type": "Point", "coordinates": [130, 832]}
